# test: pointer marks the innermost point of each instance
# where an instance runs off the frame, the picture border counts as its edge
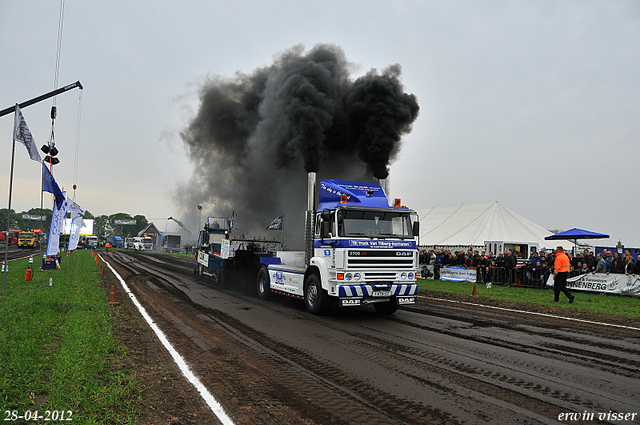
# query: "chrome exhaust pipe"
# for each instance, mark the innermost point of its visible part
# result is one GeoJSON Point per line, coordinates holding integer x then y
{"type": "Point", "coordinates": [308, 234]}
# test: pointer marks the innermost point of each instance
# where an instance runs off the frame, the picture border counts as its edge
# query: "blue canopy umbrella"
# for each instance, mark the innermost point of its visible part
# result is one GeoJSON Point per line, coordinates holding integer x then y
{"type": "Point", "coordinates": [575, 234]}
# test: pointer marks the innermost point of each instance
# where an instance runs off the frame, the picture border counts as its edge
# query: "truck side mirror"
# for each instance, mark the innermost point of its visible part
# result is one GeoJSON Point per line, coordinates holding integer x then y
{"type": "Point", "coordinates": [416, 228]}
{"type": "Point", "coordinates": [326, 229]}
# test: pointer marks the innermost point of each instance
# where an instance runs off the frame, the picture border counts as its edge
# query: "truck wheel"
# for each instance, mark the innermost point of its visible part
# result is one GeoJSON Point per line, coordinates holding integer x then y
{"type": "Point", "coordinates": [224, 278]}
{"type": "Point", "coordinates": [262, 288]}
{"type": "Point", "coordinates": [389, 307]}
{"type": "Point", "coordinates": [315, 298]}
{"type": "Point", "coordinates": [200, 270]}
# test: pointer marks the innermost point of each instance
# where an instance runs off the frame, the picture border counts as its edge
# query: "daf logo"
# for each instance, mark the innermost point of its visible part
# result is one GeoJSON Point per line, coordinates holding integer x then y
{"type": "Point", "coordinates": [406, 300]}
{"type": "Point", "coordinates": [404, 254]}
{"type": "Point", "coordinates": [350, 302]}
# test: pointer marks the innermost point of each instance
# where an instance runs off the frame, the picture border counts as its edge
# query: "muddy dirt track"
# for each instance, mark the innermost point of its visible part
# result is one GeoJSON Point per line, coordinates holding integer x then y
{"type": "Point", "coordinates": [437, 362]}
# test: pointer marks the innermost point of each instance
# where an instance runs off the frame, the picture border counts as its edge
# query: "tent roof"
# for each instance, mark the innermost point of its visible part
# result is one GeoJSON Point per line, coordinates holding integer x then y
{"type": "Point", "coordinates": [466, 225]}
{"type": "Point", "coordinates": [576, 233]}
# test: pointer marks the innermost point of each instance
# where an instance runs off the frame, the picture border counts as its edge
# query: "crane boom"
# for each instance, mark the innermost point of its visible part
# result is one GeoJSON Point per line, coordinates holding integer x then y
{"type": "Point", "coordinates": [181, 224]}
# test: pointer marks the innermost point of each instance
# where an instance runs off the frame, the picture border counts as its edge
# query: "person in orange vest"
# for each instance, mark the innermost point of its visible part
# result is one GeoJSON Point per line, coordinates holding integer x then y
{"type": "Point", "coordinates": [561, 268]}
{"type": "Point", "coordinates": [107, 246]}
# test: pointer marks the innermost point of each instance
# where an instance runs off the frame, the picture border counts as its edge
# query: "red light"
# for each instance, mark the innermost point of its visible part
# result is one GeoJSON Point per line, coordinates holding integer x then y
{"type": "Point", "coordinates": [340, 276]}
{"type": "Point", "coordinates": [397, 202]}
{"type": "Point", "coordinates": [343, 199]}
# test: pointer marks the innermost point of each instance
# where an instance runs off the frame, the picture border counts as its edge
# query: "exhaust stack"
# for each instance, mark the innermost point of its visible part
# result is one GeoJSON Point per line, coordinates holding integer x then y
{"type": "Point", "coordinates": [308, 222]}
{"type": "Point", "coordinates": [383, 183]}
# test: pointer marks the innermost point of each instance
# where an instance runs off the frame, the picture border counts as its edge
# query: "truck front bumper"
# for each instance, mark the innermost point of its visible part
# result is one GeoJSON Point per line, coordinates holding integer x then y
{"type": "Point", "coordinates": [355, 295]}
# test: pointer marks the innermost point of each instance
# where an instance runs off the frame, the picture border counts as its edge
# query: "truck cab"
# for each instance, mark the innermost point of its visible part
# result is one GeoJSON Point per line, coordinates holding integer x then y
{"type": "Point", "coordinates": [213, 247]}
{"type": "Point", "coordinates": [364, 252]}
{"type": "Point", "coordinates": [91, 242]}
{"type": "Point", "coordinates": [128, 243]}
{"type": "Point", "coordinates": [143, 243]}
{"type": "Point", "coordinates": [117, 242]}
{"type": "Point", "coordinates": [27, 240]}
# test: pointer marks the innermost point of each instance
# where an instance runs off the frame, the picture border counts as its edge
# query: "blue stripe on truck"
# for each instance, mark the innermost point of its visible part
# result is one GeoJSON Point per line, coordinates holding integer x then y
{"type": "Point", "coordinates": [367, 290]}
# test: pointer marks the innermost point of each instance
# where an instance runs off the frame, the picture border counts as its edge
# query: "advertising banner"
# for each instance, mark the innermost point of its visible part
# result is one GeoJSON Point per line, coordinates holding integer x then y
{"type": "Point", "coordinates": [621, 284]}
{"type": "Point", "coordinates": [85, 230]}
{"type": "Point", "coordinates": [457, 274]}
{"type": "Point", "coordinates": [34, 217]}
{"type": "Point", "coordinates": [57, 221]}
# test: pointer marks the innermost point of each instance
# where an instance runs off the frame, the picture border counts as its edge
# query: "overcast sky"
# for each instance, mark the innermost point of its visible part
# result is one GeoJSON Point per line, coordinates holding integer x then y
{"type": "Point", "coordinates": [534, 104]}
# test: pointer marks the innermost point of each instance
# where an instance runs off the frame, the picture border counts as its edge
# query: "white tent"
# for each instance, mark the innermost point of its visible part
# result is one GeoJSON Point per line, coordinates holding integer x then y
{"type": "Point", "coordinates": [467, 225]}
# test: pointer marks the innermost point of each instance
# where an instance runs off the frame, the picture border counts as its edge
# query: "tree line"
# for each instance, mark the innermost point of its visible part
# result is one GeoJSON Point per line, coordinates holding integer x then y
{"type": "Point", "coordinates": [104, 226]}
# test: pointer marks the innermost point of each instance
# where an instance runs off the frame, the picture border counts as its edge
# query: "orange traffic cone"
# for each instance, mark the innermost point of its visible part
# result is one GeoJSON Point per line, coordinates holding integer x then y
{"type": "Point", "coordinates": [97, 261]}
{"type": "Point", "coordinates": [102, 271]}
{"type": "Point", "coordinates": [112, 297]}
{"type": "Point", "coordinates": [475, 290]}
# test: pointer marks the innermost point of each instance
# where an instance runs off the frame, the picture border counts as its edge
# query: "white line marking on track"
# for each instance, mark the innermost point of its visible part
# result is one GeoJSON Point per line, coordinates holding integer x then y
{"type": "Point", "coordinates": [530, 312]}
{"type": "Point", "coordinates": [211, 401]}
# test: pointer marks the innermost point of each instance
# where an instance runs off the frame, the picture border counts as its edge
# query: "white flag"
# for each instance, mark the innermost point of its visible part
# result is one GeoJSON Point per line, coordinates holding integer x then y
{"type": "Point", "coordinates": [72, 206]}
{"type": "Point", "coordinates": [74, 234]}
{"type": "Point", "coordinates": [22, 134]}
{"type": "Point", "coordinates": [76, 223]}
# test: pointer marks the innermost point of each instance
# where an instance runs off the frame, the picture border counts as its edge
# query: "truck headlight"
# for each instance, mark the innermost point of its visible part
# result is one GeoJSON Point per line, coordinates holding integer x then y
{"type": "Point", "coordinates": [403, 275]}
{"type": "Point", "coordinates": [348, 276]}
{"type": "Point", "coordinates": [357, 276]}
{"type": "Point", "coordinates": [410, 275]}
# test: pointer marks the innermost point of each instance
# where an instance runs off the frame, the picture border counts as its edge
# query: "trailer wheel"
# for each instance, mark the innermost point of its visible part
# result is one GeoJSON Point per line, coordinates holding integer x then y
{"type": "Point", "coordinates": [262, 288]}
{"type": "Point", "coordinates": [315, 298]}
{"type": "Point", "coordinates": [388, 307]}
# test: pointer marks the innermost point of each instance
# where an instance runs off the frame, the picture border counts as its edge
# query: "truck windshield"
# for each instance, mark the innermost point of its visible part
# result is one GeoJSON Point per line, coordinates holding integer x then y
{"type": "Point", "coordinates": [374, 224]}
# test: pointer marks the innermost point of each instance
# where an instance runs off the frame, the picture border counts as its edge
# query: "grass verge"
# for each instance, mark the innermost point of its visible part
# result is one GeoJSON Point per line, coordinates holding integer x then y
{"type": "Point", "coordinates": [57, 351]}
{"type": "Point", "coordinates": [592, 302]}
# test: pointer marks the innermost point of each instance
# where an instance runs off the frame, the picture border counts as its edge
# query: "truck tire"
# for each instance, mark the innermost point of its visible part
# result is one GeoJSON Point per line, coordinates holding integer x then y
{"type": "Point", "coordinates": [315, 298]}
{"type": "Point", "coordinates": [200, 269]}
{"type": "Point", "coordinates": [262, 285]}
{"type": "Point", "coordinates": [226, 278]}
{"type": "Point", "coordinates": [388, 307]}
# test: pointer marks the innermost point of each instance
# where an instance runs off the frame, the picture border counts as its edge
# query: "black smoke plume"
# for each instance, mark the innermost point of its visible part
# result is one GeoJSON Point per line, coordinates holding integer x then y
{"type": "Point", "coordinates": [256, 136]}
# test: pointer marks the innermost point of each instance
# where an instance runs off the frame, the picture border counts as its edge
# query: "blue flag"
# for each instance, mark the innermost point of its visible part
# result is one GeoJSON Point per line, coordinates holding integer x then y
{"type": "Point", "coordinates": [49, 185]}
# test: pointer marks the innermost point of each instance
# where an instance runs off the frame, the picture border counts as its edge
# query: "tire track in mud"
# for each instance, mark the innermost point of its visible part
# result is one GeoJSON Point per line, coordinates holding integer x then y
{"type": "Point", "coordinates": [600, 378]}
{"type": "Point", "coordinates": [327, 394]}
{"type": "Point", "coordinates": [619, 356]}
{"type": "Point", "coordinates": [294, 380]}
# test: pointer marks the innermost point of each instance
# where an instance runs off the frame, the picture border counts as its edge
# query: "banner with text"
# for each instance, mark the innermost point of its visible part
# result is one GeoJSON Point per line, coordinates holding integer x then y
{"type": "Point", "coordinates": [622, 284]}
{"type": "Point", "coordinates": [57, 220]}
{"type": "Point", "coordinates": [457, 274]}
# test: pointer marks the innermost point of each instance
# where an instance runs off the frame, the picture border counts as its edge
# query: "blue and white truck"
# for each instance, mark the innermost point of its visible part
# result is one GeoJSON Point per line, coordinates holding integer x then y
{"type": "Point", "coordinates": [359, 250]}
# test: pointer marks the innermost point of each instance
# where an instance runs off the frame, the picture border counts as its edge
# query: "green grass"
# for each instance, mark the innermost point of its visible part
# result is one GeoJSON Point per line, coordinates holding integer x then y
{"type": "Point", "coordinates": [57, 351]}
{"type": "Point", "coordinates": [598, 303]}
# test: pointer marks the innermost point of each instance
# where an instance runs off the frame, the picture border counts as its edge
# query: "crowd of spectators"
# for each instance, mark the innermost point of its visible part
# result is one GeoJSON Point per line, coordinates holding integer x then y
{"type": "Point", "coordinates": [505, 268]}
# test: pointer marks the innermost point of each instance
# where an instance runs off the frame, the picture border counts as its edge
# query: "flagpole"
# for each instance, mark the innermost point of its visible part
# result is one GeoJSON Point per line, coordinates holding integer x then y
{"type": "Point", "coordinates": [6, 239]}
{"type": "Point", "coordinates": [41, 209]}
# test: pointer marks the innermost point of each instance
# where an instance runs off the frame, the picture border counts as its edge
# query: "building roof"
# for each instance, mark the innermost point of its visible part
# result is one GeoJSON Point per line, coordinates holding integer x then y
{"type": "Point", "coordinates": [150, 229]}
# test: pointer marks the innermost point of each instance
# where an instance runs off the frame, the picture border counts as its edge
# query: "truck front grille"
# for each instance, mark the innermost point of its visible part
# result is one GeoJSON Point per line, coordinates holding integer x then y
{"type": "Point", "coordinates": [379, 259]}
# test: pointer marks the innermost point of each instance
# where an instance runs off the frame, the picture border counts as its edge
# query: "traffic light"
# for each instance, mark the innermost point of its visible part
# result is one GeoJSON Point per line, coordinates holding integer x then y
{"type": "Point", "coordinates": [50, 148]}
{"type": "Point", "coordinates": [52, 152]}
